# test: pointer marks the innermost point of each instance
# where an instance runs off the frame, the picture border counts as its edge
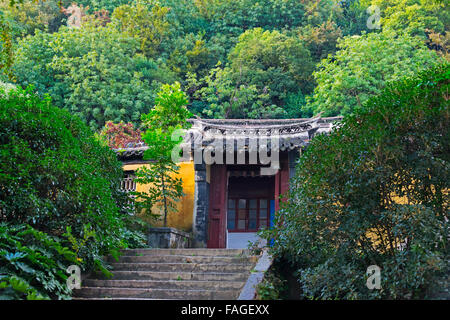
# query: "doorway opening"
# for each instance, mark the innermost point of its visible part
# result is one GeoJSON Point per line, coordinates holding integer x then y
{"type": "Point", "coordinates": [250, 207]}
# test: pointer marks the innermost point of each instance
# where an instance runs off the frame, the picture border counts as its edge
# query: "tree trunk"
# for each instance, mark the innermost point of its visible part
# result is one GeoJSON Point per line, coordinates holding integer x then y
{"type": "Point", "coordinates": [164, 199]}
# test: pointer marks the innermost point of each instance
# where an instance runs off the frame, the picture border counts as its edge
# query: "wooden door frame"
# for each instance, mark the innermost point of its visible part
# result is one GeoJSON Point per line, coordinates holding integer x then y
{"type": "Point", "coordinates": [218, 196]}
{"type": "Point", "coordinates": [281, 182]}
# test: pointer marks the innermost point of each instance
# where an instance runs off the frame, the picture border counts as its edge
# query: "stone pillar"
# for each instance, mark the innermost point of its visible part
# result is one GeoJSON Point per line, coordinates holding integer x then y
{"type": "Point", "coordinates": [201, 202]}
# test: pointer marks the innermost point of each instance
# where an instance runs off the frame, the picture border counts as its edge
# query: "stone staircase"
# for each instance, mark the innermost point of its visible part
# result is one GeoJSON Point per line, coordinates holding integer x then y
{"type": "Point", "coordinates": [182, 274]}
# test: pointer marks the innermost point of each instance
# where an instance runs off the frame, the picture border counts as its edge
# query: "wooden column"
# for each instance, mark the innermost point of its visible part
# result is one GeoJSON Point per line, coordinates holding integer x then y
{"type": "Point", "coordinates": [281, 180]}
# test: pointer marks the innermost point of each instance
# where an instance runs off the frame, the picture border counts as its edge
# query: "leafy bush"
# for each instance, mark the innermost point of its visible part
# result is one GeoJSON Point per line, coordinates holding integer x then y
{"type": "Point", "coordinates": [272, 287]}
{"type": "Point", "coordinates": [33, 264]}
{"type": "Point", "coordinates": [374, 192]}
{"type": "Point", "coordinates": [56, 177]}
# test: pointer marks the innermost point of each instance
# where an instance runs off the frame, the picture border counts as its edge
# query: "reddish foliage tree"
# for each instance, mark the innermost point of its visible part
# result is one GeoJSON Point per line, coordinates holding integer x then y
{"type": "Point", "coordinates": [102, 16]}
{"type": "Point", "coordinates": [120, 135]}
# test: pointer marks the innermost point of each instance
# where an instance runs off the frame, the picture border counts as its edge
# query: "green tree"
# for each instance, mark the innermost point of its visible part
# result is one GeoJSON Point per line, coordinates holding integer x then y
{"type": "Point", "coordinates": [321, 40]}
{"type": "Point", "coordinates": [185, 17]}
{"type": "Point", "coordinates": [168, 115]}
{"type": "Point", "coordinates": [95, 5]}
{"type": "Point", "coordinates": [350, 16]}
{"type": "Point", "coordinates": [94, 72]}
{"type": "Point", "coordinates": [230, 18]}
{"type": "Point", "coordinates": [273, 60]}
{"type": "Point", "coordinates": [145, 20]}
{"type": "Point", "coordinates": [264, 68]}
{"type": "Point", "coordinates": [361, 67]}
{"type": "Point", "coordinates": [191, 55]}
{"type": "Point", "coordinates": [6, 48]}
{"type": "Point", "coordinates": [29, 16]}
{"type": "Point", "coordinates": [374, 192]}
{"type": "Point", "coordinates": [413, 17]}
{"type": "Point", "coordinates": [219, 97]}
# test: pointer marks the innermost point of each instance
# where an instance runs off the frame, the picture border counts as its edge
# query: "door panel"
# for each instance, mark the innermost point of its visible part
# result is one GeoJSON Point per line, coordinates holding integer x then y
{"type": "Point", "coordinates": [217, 207]}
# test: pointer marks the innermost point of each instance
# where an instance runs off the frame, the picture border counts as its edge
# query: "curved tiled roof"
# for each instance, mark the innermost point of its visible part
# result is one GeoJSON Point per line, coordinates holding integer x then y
{"type": "Point", "coordinates": [291, 133]}
{"type": "Point", "coordinates": [134, 151]}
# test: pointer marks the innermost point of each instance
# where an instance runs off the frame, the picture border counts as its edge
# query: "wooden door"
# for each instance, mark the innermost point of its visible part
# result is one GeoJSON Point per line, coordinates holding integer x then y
{"type": "Point", "coordinates": [217, 207]}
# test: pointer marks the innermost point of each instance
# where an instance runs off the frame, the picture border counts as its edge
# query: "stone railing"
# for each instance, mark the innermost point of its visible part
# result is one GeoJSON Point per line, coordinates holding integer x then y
{"type": "Point", "coordinates": [257, 275]}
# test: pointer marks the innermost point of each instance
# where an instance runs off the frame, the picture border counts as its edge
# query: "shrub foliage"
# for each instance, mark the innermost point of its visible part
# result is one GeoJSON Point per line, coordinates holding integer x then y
{"type": "Point", "coordinates": [58, 179]}
{"type": "Point", "coordinates": [33, 264]}
{"type": "Point", "coordinates": [374, 192]}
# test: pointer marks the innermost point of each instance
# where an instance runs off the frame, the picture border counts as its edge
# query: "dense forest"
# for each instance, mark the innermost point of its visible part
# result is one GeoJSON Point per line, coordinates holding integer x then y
{"type": "Point", "coordinates": [234, 58]}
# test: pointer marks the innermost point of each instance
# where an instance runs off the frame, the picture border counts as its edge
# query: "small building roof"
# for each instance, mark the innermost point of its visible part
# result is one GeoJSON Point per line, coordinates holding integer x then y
{"type": "Point", "coordinates": [291, 133]}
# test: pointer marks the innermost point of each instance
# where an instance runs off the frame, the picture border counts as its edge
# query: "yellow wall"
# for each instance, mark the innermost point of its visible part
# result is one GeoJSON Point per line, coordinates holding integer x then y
{"type": "Point", "coordinates": [183, 217]}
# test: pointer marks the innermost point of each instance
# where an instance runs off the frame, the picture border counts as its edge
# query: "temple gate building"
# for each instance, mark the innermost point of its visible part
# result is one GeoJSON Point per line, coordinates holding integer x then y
{"type": "Point", "coordinates": [234, 172]}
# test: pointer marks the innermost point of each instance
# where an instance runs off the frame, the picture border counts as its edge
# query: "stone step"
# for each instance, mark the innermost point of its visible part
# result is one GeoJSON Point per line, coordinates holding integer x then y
{"type": "Point", "coordinates": [187, 274]}
{"type": "Point", "coordinates": [187, 252]}
{"type": "Point", "coordinates": [166, 284]}
{"type": "Point", "coordinates": [183, 259]}
{"type": "Point", "coordinates": [184, 267]}
{"type": "Point", "coordinates": [194, 276]}
{"type": "Point", "coordinates": [139, 293]}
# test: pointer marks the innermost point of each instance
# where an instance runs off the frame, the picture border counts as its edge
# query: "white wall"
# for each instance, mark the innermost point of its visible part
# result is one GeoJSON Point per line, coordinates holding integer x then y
{"type": "Point", "coordinates": [239, 240]}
